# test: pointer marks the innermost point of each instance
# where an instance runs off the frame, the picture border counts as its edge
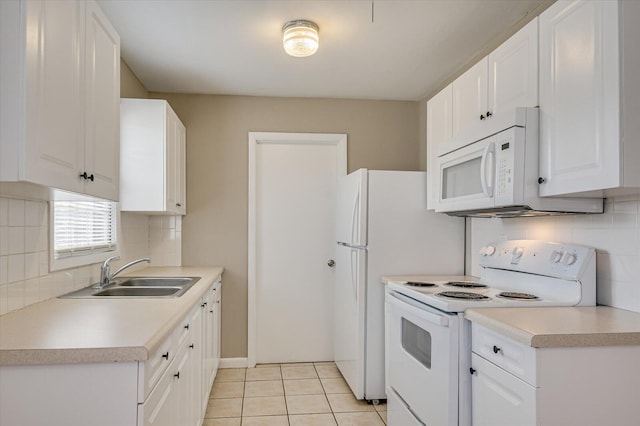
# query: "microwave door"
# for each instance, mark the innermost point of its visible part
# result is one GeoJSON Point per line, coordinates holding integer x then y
{"type": "Point", "coordinates": [467, 177]}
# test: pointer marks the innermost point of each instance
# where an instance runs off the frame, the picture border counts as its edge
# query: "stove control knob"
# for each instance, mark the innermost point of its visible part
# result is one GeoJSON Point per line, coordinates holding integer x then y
{"type": "Point", "coordinates": [556, 256]}
{"type": "Point", "coordinates": [569, 259]}
{"type": "Point", "coordinates": [517, 252]}
{"type": "Point", "coordinates": [490, 250]}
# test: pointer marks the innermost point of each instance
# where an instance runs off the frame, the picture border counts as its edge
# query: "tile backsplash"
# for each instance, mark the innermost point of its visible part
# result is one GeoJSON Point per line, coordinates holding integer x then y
{"type": "Point", "coordinates": [24, 251]}
{"type": "Point", "coordinates": [615, 235]}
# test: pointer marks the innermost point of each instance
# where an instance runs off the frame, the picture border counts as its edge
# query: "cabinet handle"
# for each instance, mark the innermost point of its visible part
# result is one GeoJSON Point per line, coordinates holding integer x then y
{"type": "Point", "coordinates": [211, 311]}
{"type": "Point", "coordinates": [166, 355]}
{"type": "Point", "coordinates": [186, 327]}
{"type": "Point", "coordinates": [85, 176]}
{"type": "Point", "coordinates": [177, 375]}
{"type": "Point", "coordinates": [496, 349]}
{"type": "Point", "coordinates": [203, 305]}
{"type": "Point", "coordinates": [178, 205]}
{"type": "Point", "coordinates": [541, 180]}
{"type": "Point", "coordinates": [481, 117]}
{"type": "Point", "coordinates": [192, 346]}
{"type": "Point", "coordinates": [472, 370]}
{"type": "Point", "coordinates": [489, 114]}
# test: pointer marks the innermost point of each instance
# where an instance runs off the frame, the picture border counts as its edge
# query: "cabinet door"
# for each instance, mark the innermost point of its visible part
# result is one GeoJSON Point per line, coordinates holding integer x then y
{"type": "Point", "coordinates": [172, 161]}
{"type": "Point", "coordinates": [102, 98]}
{"type": "Point", "coordinates": [579, 97]}
{"type": "Point", "coordinates": [470, 97]}
{"type": "Point", "coordinates": [181, 169]}
{"type": "Point", "coordinates": [513, 71]}
{"type": "Point", "coordinates": [439, 130]}
{"type": "Point", "coordinates": [195, 366]}
{"type": "Point", "coordinates": [500, 399]}
{"type": "Point", "coordinates": [183, 402]}
{"type": "Point", "coordinates": [54, 135]}
{"type": "Point", "coordinates": [160, 408]}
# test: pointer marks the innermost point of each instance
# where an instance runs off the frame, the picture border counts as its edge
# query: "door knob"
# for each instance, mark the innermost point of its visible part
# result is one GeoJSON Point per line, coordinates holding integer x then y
{"type": "Point", "coordinates": [331, 263]}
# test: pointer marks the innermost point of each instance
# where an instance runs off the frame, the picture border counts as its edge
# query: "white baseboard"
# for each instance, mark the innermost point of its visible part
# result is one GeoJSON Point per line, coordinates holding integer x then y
{"type": "Point", "coordinates": [233, 363]}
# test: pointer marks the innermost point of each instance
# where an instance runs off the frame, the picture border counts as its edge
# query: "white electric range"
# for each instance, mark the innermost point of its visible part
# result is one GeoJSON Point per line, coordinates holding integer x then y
{"type": "Point", "coordinates": [428, 353]}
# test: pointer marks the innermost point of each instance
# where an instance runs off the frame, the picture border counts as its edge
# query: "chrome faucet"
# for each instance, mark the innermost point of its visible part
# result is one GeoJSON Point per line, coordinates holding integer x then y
{"type": "Point", "coordinates": [105, 272]}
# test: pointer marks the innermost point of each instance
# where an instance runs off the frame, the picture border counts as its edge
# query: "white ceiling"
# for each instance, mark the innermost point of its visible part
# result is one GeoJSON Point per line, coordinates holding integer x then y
{"type": "Point", "coordinates": [234, 47]}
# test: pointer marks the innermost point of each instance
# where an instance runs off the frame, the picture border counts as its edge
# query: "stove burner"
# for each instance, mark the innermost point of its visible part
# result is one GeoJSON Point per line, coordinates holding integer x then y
{"type": "Point", "coordinates": [518, 296]}
{"type": "Point", "coordinates": [420, 284]}
{"type": "Point", "coordinates": [465, 284]}
{"type": "Point", "coordinates": [462, 295]}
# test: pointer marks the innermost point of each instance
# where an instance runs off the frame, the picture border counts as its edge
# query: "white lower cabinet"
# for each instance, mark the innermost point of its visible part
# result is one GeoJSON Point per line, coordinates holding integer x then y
{"type": "Point", "coordinates": [211, 326]}
{"type": "Point", "coordinates": [516, 384]}
{"type": "Point", "coordinates": [180, 397]}
{"type": "Point", "coordinates": [160, 409]}
{"type": "Point", "coordinates": [494, 388]}
{"type": "Point", "coordinates": [171, 388]}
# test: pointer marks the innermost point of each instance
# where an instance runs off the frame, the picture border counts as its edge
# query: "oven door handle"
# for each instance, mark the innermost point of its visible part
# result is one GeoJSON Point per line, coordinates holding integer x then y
{"type": "Point", "coordinates": [408, 304]}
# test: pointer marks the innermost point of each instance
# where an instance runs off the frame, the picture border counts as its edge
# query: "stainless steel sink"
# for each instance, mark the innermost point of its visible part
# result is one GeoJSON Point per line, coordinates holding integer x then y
{"type": "Point", "coordinates": [137, 287]}
{"type": "Point", "coordinates": [153, 281]}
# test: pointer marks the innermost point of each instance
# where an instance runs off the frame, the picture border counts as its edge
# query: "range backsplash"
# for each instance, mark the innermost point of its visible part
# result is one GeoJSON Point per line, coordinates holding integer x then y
{"type": "Point", "coordinates": [615, 235]}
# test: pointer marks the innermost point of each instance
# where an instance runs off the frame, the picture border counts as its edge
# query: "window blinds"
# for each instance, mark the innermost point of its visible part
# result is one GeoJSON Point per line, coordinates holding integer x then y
{"type": "Point", "coordinates": [83, 227]}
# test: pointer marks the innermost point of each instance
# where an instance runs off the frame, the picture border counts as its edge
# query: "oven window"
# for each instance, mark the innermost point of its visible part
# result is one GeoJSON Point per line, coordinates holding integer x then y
{"type": "Point", "coordinates": [462, 179]}
{"type": "Point", "coordinates": [417, 342]}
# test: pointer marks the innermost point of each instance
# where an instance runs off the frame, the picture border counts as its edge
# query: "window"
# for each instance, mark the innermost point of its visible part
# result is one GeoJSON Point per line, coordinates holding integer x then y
{"type": "Point", "coordinates": [83, 232]}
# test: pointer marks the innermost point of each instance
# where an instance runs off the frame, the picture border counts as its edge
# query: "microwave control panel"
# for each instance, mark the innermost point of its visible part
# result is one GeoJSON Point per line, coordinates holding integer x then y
{"type": "Point", "coordinates": [504, 167]}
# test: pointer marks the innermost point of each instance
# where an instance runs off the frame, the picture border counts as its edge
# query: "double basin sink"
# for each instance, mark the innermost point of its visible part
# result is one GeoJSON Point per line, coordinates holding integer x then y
{"type": "Point", "coordinates": [137, 287]}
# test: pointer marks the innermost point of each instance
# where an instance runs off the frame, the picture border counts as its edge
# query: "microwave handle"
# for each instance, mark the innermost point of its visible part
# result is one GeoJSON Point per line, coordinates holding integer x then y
{"type": "Point", "coordinates": [487, 184]}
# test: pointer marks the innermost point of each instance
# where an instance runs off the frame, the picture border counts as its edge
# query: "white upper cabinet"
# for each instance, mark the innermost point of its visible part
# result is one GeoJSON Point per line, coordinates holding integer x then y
{"type": "Point", "coordinates": [102, 103]}
{"type": "Point", "coordinates": [513, 72]}
{"type": "Point", "coordinates": [505, 79]}
{"type": "Point", "coordinates": [152, 157]}
{"type": "Point", "coordinates": [589, 91]}
{"type": "Point", "coordinates": [439, 129]}
{"type": "Point", "coordinates": [60, 81]}
{"type": "Point", "coordinates": [470, 97]}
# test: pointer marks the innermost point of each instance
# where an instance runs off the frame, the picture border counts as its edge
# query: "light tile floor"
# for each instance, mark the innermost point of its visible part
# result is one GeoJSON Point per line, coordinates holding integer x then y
{"type": "Point", "coordinates": [301, 394]}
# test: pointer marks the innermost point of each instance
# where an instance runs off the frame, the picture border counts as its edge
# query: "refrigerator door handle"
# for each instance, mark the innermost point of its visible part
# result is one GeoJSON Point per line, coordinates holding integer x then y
{"type": "Point", "coordinates": [354, 219]}
{"type": "Point", "coordinates": [354, 272]}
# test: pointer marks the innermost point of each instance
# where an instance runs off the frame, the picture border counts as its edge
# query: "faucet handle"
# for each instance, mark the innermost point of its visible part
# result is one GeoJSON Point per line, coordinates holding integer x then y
{"type": "Point", "coordinates": [106, 262]}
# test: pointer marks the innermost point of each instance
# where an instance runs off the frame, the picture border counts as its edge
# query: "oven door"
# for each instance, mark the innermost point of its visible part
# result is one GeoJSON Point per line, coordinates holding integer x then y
{"type": "Point", "coordinates": [466, 177]}
{"type": "Point", "coordinates": [423, 359]}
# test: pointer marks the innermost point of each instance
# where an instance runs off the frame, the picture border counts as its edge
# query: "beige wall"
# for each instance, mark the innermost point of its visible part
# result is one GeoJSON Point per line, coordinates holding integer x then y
{"type": "Point", "coordinates": [381, 135]}
{"type": "Point", "coordinates": [130, 86]}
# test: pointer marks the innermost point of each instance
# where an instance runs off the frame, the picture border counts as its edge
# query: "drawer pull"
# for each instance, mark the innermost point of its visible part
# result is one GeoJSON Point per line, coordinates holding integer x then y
{"type": "Point", "coordinates": [165, 355]}
{"type": "Point", "coordinates": [472, 370]}
{"type": "Point", "coordinates": [186, 327]}
{"type": "Point", "coordinates": [203, 305]}
{"type": "Point", "coordinates": [496, 349]}
{"type": "Point", "coordinates": [192, 346]}
{"type": "Point", "coordinates": [177, 375]}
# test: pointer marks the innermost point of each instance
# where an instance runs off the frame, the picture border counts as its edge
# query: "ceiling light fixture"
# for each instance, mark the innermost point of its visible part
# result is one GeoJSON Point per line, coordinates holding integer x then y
{"type": "Point", "coordinates": [300, 38]}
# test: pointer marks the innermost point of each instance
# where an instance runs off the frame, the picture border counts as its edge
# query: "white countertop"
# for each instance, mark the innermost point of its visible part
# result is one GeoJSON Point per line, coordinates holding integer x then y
{"type": "Point", "coordinates": [70, 331]}
{"type": "Point", "coordinates": [562, 327]}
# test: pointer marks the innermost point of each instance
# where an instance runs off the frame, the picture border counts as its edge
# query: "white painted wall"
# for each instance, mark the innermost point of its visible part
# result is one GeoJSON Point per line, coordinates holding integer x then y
{"type": "Point", "coordinates": [615, 235]}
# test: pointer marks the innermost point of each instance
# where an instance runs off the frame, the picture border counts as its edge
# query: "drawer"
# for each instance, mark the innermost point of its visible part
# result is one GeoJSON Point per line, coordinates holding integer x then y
{"type": "Point", "coordinates": [150, 371]}
{"type": "Point", "coordinates": [512, 356]}
{"type": "Point", "coordinates": [499, 398]}
{"type": "Point", "coordinates": [161, 407]}
{"type": "Point", "coordinates": [398, 413]}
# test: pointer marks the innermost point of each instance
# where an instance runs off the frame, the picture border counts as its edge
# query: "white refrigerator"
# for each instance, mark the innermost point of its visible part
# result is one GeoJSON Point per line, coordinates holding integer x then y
{"type": "Point", "coordinates": [383, 228]}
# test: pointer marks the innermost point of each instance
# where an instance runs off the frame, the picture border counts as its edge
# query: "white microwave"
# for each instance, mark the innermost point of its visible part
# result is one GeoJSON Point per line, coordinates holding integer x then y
{"type": "Point", "coordinates": [493, 172]}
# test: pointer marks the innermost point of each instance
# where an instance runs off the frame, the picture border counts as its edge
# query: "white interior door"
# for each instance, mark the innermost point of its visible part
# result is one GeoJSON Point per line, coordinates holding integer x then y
{"type": "Point", "coordinates": [292, 193]}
